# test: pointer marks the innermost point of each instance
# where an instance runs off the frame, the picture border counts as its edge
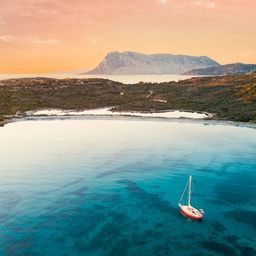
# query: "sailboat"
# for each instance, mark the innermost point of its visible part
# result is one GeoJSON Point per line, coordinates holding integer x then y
{"type": "Point", "coordinates": [186, 209]}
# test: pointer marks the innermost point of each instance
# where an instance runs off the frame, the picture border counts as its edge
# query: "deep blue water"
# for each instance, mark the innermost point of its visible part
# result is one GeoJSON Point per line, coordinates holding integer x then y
{"type": "Point", "coordinates": [111, 187]}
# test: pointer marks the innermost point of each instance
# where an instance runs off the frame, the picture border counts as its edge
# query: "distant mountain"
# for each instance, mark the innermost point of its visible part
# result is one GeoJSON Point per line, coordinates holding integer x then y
{"type": "Point", "coordinates": [132, 63]}
{"type": "Point", "coordinates": [236, 68]}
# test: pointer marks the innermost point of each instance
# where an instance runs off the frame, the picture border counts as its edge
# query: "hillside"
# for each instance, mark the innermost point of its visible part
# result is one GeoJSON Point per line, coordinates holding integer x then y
{"type": "Point", "coordinates": [131, 63]}
{"type": "Point", "coordinates": [228, 97]}
{"type": "Point", "coordinates": [230, 69]}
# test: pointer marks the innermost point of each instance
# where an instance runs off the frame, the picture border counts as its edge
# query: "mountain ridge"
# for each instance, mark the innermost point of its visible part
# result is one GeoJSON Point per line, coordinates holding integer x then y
{"type": "Point", "coordinates": [228, 69]}
{"type": "Point", "coordinates": [135, 63]}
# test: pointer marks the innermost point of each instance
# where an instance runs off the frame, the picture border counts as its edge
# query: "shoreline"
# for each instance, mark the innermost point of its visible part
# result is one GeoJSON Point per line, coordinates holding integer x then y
{"type": "Point", "coordinates": [229, 98]}
{"type": "Point", "coordinates": [56, 113]}
{"type": "Point", "coordinates": [125, 79]}
{"type": "Point", "coordinates": [111, 111]}
{"type": "Point", "coordinates": [131, 118]}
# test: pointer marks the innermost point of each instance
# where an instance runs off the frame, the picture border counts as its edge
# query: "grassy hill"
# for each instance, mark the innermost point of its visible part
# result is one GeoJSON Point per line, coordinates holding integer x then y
{"type": "Point", "coordinates": [228, 97]}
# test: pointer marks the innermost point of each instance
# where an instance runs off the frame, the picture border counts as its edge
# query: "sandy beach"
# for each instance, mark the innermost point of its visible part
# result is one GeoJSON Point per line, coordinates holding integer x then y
{"type": "Point", "coordinates": [108, 112]}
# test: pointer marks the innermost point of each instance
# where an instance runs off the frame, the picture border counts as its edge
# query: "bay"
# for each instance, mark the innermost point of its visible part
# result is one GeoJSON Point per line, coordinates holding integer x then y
{"type": "Point", "coordinates": [110, 186]}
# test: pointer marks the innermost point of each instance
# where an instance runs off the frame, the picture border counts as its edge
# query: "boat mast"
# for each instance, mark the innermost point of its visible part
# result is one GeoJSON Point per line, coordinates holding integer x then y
{"type": "Point", "coordinates": [189, 189]}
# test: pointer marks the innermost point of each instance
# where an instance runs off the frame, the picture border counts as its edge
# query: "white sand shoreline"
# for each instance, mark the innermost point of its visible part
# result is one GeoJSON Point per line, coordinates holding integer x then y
{"type": "Point", "coordinates": [134, 118]}
{"type": "Point", "coordinates": [77, 115]}
{"type": "Point", "coordinates": [108, 112]}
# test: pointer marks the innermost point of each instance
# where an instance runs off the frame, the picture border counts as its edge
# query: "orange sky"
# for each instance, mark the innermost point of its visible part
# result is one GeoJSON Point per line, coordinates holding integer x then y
{"type": "Point", "coordinates": [64, 35]}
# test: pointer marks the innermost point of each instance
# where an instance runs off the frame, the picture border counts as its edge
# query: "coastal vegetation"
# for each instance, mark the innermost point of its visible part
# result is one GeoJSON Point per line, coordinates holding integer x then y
{"type": "Point", "coordinates": [227, 97]}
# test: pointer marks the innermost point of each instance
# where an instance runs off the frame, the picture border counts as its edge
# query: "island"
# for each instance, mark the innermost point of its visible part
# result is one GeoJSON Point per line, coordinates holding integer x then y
{"type": "Point", "coordinates": [135, 63]}
{"type": "Point", "coordinates": [229, 69]}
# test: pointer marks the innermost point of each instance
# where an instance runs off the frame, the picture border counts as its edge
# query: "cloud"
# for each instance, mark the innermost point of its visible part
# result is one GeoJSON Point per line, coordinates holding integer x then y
{"type": "Point", "coordinates": [205, 3]}
{"type": "Point", "coordinates": [93, 40]}
{"type": "Point", "coordinates": [7, 38]}
{"type": "Point", "coordinates": [179, 5]}
{"type": "Point", "coordinates": [162, 2]}
{"type": "Point", "coordinates": [31, 40]}
{"type": "Point", "coordinates": [36, 40]}
{"type": "Point", "coordinates": [249, 54]}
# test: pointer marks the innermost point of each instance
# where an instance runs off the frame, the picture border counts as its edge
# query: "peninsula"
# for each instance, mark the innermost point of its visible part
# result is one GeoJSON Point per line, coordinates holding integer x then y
{"type": "Point", "coordinates": [227, 97]}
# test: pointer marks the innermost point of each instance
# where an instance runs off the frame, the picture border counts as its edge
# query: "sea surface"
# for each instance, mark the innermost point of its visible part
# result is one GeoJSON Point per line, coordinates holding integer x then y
{"type": "Point", "coordinates": [110, 186]}
{"type": "Point", "coordinates": [126, 79]}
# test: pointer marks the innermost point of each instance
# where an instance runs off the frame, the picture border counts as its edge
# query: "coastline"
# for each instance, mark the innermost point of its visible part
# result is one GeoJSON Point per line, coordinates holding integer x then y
{"type": "Point", "coordinates": [229, 98]}
{"type": "Point", "coordinates": [111, 111]}
{"type": "Point", "coordinates": [45, 114]}
{"type": "Point", "coordinates": [196, 97]}
{"type": "Point", "coordinates": [125, 79]}
{"type": "Point", "coordinates": [206, 121]}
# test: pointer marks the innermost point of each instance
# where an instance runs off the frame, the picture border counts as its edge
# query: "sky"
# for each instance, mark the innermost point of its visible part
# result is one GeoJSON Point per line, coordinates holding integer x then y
{"type": "Point", "coordinates": [43, 36]}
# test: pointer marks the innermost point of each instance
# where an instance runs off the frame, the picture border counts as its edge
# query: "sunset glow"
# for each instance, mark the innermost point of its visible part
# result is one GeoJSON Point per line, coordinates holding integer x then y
{"type": "Point", "coordinates": [63, 35]}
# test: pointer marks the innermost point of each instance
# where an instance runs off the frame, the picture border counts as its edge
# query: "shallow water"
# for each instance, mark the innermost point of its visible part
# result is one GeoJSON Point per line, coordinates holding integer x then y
{"type": "Point", "coordinates": [126, 79]}
{"type": "Point", "coordinates": [111, 187]}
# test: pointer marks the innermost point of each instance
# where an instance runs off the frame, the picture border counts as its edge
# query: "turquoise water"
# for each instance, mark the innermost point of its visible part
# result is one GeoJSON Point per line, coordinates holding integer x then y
{"type": "Point", "coordinates": [111, 187]}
